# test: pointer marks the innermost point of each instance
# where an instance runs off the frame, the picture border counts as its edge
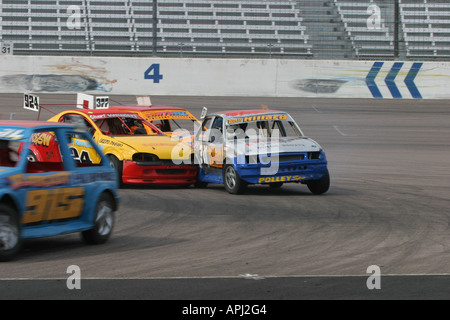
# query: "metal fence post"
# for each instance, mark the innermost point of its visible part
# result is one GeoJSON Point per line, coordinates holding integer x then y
{"type": "Point", "coordinates": [154, 26]}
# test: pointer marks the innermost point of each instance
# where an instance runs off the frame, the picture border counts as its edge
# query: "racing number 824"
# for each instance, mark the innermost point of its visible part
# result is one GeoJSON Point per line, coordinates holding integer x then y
{"type": "Point", "coordinates": [53, 204]}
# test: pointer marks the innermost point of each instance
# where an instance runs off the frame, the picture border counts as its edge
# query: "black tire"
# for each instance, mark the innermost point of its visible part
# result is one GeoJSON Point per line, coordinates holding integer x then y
{"type": "Point", "coordinates": [231, 180]}
{"type": "Point", "coordinates": [275, 184]}
{"type": "Point", "coordinates": [321, 185]}
{"type": "Point", "coordinates": [118, 166]}
{"type": "Point", "coordinates": [200, 184]}
{"type": "Point", "coordinates": [104, 221]}
{"type": "Point", "coordinates": [10, 240]}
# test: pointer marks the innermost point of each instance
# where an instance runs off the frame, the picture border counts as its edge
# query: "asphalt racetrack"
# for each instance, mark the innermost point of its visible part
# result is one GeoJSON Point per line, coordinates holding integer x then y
{"type": "Point", "coordinates": [388, 206]}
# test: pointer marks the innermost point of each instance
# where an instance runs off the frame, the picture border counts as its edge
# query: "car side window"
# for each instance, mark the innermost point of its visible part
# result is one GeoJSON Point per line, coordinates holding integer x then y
{"type": "Point", "coordinates": [9, 153]}
{"type": "Point", "coordinates": [104, 127]}
{"type": "Point", "coordinates": [206, 124]}
{"type": "Point", "coordinates": [79, 121]}
{"type": "Point", "coordinates": [162, 125]}
{"type": "Point", "coordinates": [216, 132]}
{"type": "Point", "coordinates": [218, 124]}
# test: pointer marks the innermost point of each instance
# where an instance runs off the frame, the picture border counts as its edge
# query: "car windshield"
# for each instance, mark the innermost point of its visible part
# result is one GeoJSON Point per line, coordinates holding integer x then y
{"type": "Point", "coordinates": [168, 121]}
{"type": "Point", "coordinates": [121, 126]}
{"type": "Point", "coordinates": [264, 128]}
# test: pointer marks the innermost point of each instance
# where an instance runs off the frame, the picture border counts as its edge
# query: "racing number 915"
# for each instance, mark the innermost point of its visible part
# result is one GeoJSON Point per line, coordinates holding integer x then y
{"type": "Point", "coordinates": [53, 204]}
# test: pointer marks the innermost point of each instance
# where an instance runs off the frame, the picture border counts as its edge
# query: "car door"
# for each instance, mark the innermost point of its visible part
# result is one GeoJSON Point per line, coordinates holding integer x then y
{"type": "Point", "coordinates": [88, 167]}
{"type": "Point", "coordinates": [215, 143]}
{"type": "Point", "coordinates": [209, 140]}
{"type": "Point", "coordinates": [47, 189]}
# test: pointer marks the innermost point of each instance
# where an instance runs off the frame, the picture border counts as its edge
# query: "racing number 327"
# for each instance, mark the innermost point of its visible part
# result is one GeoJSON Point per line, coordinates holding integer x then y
{"type": "Point", "coordinates": [53, 204]}
{"type": "Point", "coordinates": [153, 73]}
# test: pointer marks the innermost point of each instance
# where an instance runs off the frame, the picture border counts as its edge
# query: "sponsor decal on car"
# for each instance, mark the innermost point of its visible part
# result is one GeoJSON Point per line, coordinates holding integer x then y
{"type": "Point", "coordinates": [19, 181]}
{"type": "Point", "coordinates": [258, 118]}
{"type": "Point", "coordinates": [12, 134]}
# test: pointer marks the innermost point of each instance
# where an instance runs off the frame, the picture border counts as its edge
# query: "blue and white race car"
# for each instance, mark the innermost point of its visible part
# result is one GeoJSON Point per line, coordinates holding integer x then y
{"type": "Point", "coordinates": [238, 148]}
{"type": "Point", "coordinates": [47, 197]}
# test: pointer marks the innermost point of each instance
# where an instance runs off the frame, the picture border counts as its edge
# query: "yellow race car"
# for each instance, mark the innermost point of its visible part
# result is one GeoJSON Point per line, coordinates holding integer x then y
{"type": "Point", "coordinates": [138, 150]}
{"type": "Point", "coordinates": [176, 122]}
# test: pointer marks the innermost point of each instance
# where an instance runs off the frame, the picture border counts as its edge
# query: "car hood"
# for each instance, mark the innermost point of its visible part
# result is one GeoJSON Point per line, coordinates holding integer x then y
{"type": "Point", "coordinates": [281, 145]}
{"type": "Point", "coordinates": [161, 145]}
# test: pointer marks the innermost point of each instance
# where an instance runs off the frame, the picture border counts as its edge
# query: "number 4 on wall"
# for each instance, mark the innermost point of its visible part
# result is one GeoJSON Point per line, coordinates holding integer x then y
{"type": "Point", "coordinates": [152, 73]}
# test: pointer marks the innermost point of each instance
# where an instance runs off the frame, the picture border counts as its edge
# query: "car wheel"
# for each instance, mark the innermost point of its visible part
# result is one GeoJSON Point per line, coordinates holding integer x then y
{"type": "Point", "coordinates": [118, 166]}
{"type": "Point", "coordinates": [104, 221]}
{"type": "Point", "coordinates": [233, 183]}
{"type": "Point", "coordinates": [321, 185]}
{"type": "Point", "coordinates": [10, 241]}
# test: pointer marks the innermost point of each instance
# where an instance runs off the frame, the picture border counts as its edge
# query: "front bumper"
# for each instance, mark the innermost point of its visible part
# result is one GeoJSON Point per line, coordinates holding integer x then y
{"type": "Point", "coordinates": [162, 175]}
{"type": "Point", "coordinates": [287, 172]}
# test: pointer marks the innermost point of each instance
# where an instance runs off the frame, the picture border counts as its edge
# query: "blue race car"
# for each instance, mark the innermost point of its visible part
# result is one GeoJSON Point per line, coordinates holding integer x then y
{"type": "Point", "coordinates": [244, 147]}
{"type": "Point", "coordinates": [57, 193]}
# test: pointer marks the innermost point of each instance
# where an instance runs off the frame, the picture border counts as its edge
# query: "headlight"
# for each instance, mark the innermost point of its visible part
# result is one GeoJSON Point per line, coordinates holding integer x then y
{"type": "Point", "coordinates": [314, 155]}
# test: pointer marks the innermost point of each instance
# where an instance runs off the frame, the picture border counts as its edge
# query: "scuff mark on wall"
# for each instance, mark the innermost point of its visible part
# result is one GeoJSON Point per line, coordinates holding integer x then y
{"type": "Point", "coordinates": [100, 74]}
{"type": "Point", "coordinates": [318, 85]}
{"type": "Point", "coordinates": [69, 77]}
{"type": "Point", "coordinates": [49, 83]}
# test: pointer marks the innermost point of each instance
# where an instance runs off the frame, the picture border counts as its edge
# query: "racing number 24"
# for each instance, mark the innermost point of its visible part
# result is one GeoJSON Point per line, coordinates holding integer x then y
{"type": "Point", "coordinates": [53, 204]}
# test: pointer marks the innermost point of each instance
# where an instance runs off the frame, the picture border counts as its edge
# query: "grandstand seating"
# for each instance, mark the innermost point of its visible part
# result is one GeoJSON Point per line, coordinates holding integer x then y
{"type": "Point", "coordinates": [426, 28]}
{"type": "Point", "coordinates": [125, 27]}
{"type": "Point", "coordinates": [373, 42]}
{"type": "Point", "coordinates": [225, 28]}
{"type": "Point", "coordinates": [269, 27]}
{"type": "Point", "coordinates": [40, 28]}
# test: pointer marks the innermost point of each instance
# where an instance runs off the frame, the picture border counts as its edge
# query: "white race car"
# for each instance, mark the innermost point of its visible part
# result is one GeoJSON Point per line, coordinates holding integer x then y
{"type": "Point", "coordinates": [244, 147]}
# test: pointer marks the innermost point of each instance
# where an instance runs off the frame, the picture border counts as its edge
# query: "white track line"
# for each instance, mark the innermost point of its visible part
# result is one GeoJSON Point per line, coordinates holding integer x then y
{"type": "Point", "coordinates": [342, 133]}
{"type": "Point", "coordinates": [242, 276]}
{"type": "Point", "coordinates": [314, 107]}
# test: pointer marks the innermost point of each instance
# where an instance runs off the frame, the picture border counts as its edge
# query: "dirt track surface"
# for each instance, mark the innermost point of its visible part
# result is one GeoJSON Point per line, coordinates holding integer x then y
{"type": "Point", "coordinates": [388, 205]}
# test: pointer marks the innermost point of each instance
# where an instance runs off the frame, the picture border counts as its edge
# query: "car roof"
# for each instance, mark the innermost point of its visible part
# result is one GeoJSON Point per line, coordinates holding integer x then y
{"type": "Point", "coordinates": [33, 124]}
{"type": "Point", "coordinates": [93, 112]}
{"type": "Point", "coordinates": [98, 111]}
{"type": "Point", "coordinates": [145, 107]}
{"type": "Point", "coordinates": [234, 113]}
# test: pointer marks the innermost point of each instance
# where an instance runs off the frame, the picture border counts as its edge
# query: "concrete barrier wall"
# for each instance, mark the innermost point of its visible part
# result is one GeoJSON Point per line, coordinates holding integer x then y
{"type": "Point", "coordinates": [225, 77]}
